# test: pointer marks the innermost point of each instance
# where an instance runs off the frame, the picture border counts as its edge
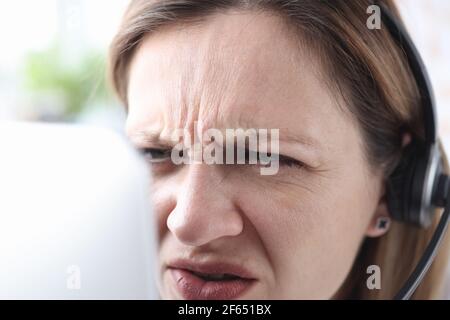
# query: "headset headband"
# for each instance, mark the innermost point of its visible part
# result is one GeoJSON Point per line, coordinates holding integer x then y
{"type": "Point", "coordinates": [401, 36]}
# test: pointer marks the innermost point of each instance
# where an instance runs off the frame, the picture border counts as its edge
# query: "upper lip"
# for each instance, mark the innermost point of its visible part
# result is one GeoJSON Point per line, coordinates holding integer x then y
{"type": "Point", "coordinates": [212, 268]}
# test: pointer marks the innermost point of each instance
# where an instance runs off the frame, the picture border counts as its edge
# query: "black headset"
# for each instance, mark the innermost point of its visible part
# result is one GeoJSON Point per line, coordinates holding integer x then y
{"type": "Point", "coordinates": [418, 185]}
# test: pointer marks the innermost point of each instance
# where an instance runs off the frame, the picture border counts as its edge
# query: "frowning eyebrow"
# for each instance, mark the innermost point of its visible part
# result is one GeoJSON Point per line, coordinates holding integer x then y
{"type": "Point", "coordinates": [144, 138]}
{"type": "Point", "coordinates": [290, 137]}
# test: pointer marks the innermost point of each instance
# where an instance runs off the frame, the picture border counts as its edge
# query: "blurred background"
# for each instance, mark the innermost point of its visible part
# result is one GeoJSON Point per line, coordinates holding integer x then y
{"type": "Point", "coordinates": [53, 61]}
{"type": "Point", "coordinates": [52, 66]}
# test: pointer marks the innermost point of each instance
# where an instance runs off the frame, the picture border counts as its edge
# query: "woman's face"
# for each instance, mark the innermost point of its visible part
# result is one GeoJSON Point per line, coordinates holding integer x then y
{"type": "Point", "coordinates": [290, 235]}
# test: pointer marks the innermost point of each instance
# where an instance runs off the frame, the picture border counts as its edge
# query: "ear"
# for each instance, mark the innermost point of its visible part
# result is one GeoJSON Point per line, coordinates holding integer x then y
{"type": "Point", "coordinates": [380, 221]}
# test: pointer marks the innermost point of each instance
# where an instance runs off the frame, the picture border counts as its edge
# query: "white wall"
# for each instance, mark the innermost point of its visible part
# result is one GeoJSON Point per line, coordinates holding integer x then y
{"type": "Point", "coordinates": [429, 24]}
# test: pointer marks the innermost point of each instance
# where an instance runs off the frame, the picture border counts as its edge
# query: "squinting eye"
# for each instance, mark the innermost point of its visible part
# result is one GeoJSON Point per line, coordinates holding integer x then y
{"type": "Point", "coordinates": [156, 155]}
{"type": "Point", "coordinates": [289, 162]}
{"type": "Point", "coordinates": [282, 160]}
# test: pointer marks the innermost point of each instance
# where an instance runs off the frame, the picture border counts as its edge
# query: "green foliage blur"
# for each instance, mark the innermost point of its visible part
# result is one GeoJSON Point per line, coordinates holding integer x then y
{"type": "Point", "coordinates": [80, 84]}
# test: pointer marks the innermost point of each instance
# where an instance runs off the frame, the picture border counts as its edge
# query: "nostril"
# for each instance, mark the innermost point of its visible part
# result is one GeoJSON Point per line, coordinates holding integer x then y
{"type": "Point", "coordinates": [199, 229]}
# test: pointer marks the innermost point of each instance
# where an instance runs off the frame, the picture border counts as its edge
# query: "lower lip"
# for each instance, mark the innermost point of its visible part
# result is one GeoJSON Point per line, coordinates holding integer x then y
{"type": "Point", "coordinates": [192, 287]}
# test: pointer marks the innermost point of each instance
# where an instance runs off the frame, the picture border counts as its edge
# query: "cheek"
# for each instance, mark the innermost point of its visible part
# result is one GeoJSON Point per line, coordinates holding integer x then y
{"type": "Point", "coordinates": [312, 235]}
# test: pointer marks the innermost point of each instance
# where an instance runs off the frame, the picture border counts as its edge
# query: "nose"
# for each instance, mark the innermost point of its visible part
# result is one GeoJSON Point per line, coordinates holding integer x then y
{"type": "Point", "coordinates": [204, 210]}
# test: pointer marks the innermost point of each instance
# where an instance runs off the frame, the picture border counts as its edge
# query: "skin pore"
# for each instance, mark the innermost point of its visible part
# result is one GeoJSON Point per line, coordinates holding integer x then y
{"type": "Point", "coordinates": [296, 232]}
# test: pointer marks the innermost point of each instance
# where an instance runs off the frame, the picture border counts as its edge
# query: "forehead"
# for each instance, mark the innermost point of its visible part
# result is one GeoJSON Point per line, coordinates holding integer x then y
{"type": "Point", "coordinates": [231, 70]}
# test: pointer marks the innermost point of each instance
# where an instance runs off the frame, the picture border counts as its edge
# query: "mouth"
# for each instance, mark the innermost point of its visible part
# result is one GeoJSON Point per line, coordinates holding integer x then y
{"type": "Point", "coordinates": [211, 281]}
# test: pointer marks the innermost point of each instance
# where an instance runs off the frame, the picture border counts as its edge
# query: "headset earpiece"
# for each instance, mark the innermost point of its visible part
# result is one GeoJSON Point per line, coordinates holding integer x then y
{"type": "Point", "coordinates": [398, 184]}
{"type": "Point", "coordinates": [411, 187]}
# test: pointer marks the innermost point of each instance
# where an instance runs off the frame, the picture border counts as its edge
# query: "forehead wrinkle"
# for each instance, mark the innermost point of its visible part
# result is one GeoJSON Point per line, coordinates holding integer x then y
{"type": "Point", "coordinates": [228, 67]}
{"type": "Point", "coordinates": [175, 97]}
{"type": "Point", "coordinates": [204, 84]}
{"type": "Point", "coordinates": [216, 86]}
{"type": "Point", "coordinates": [214, 73]}
{"type": "Point", "coordinates": [179, 86]}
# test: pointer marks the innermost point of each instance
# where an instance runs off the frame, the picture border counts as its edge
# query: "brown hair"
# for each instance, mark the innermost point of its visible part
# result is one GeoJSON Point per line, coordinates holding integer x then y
{"type": "Point", "coordinates": [366, 68]}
